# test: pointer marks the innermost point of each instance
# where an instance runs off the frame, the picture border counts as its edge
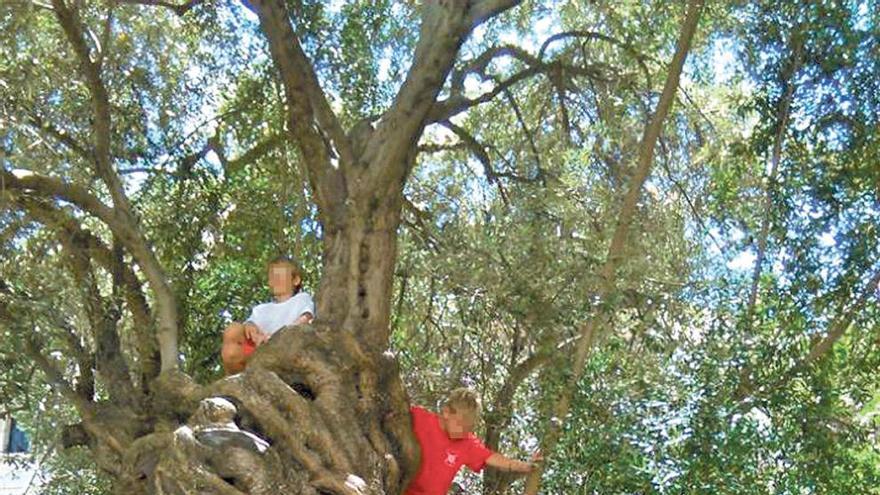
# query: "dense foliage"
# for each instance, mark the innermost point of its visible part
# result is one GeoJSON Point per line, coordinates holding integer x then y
{"type": "Point", "coordinates": [765, 179]}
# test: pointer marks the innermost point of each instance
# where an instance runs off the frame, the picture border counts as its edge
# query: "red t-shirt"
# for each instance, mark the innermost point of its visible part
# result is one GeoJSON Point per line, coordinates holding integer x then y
{"type": "Point", "coordinates": [442, 456]}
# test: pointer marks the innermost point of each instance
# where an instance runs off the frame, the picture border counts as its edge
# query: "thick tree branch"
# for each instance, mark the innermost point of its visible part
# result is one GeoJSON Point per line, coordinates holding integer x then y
{"type": "Point", "coordinates": [135, 298]}
{"type": "Point", "coordinates": [485, 10]}
{"type": "Point", "coordinates": [437, 148]}
{"type": "Point", "coordinates": [587, 35]}
{"type": "Point", "coordinates": [259, 150]}
{"type": "Point", "coordinates": [618, 242]}
{"type": "Point", "coordinates": [51, 187]}
{"type": "Point", "coordinates": [516, 376]}
{"type": "Point", "coordinates": [444, 27]}
{"type": "Point", "coordinates": [321, 139]}
{"type": "Point", "coordinates": [299, 73]}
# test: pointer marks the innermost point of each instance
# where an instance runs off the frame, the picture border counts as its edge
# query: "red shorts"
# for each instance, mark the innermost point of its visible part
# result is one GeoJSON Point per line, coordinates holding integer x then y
{"type": "Point", "coordinates": [248, 347]}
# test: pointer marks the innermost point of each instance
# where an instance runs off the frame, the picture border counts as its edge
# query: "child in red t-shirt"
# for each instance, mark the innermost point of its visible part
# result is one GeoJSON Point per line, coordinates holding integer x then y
{"type": "Point", "coordinates": [447, 443]}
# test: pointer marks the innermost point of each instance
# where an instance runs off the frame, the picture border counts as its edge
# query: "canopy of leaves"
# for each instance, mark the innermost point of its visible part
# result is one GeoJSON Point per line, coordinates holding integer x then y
{"type": "Point", "coordinates": [509, 213]}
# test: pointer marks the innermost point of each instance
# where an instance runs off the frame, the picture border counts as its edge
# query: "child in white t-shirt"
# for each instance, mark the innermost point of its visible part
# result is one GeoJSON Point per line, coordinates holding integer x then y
{"type": "Point", "coordinates": [291, 306]}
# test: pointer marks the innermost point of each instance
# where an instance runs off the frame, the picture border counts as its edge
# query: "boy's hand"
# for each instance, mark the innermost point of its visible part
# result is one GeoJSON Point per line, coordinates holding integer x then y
{"type": "Point", "coordinates": [254, 334]}
{"type": "Point", "coordinates": [304, 319]}
{"type": "Point", "coordinates": [536, 459]}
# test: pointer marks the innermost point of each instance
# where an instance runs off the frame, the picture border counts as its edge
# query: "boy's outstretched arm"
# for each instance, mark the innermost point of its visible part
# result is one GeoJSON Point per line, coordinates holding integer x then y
{"type": "Point", "coordinates": [503, 463]}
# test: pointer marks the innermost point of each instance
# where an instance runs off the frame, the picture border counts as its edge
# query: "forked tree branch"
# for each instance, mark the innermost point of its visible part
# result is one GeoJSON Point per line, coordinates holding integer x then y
{"type": "Point", "coordinates": [457, 102]}
{"type": "Point", "coordinates": [444, 27]}
{"type": "Point", "coordinates": [67, 227]}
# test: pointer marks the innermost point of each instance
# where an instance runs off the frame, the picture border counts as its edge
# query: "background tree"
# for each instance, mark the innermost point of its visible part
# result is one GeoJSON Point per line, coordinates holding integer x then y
{"type": "Point", "coordinates": [513, 166]}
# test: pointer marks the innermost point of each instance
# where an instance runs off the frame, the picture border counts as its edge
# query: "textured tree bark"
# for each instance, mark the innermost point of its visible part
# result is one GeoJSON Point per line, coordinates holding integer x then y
{"type": "Point", "coordinates": [359, 258]}
{"type": "Point", "coordinates": [334, 418]}
{"type": "Point", "coordinates": [320, 409]}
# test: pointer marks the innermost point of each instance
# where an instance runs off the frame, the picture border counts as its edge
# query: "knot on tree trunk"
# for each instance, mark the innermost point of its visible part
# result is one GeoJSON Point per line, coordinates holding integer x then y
{"type": "Point", "coordinates": [213, 425]}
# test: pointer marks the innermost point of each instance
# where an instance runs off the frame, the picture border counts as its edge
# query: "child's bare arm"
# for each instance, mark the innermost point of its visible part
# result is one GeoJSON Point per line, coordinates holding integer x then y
{"type": "Point", "coordinates": [503, 463]}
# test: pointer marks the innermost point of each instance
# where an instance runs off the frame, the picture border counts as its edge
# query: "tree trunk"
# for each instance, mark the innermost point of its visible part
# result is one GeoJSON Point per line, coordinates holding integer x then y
{"type": "Point", "coordinates": [326, 399]}
{"type": "Point", "coordinates": [320, 408]}
{"type": "Point", "coordinates": [328, 412]}
{"type": "Point", "coordinates": [359, 256]}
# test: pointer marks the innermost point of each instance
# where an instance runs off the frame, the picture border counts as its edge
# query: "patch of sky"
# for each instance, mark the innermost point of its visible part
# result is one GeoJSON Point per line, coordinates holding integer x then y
{"type": "Point", "coordinates": [384, 68]}
{"type": "Point", "coordinates": [335, 6]}
{"type": "Point", "coordinates": [725, 64]}
{"type": "Point", "coordinates": [474, 86]}
{"type": "Point", "coordinates": [862, 16]}
{"type": "Point", "coordinates": [745, 260]}
{"type": "Point", "coordinates": [246, 13]}
{"type": "Point", "coordinates": [827, 239]}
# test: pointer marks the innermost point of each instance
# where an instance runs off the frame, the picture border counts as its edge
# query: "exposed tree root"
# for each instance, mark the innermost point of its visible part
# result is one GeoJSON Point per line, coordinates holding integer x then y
{"type": "Point", "coordinates": [312, 414]}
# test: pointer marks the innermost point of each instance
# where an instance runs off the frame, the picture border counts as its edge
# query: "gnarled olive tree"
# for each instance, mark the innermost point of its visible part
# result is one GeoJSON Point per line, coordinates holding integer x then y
{"type": "Point", "coordinates": [320, 409]}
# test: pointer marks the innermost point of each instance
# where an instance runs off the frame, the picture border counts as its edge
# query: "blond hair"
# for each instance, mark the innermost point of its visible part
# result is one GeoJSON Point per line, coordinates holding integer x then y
{"type": "Point", "coordinates": [463, 400]}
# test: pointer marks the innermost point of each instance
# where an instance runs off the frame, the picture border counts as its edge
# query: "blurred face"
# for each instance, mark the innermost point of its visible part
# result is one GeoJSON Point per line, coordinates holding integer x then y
{"type": "Point", "coordinates": [456, 424]}
{"type": "Point", "coordinates": [282, 279]}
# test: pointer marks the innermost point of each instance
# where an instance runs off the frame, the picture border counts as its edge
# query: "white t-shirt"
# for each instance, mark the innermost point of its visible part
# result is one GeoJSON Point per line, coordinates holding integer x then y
{"type": "Point", "coordinates": [272, 316]}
